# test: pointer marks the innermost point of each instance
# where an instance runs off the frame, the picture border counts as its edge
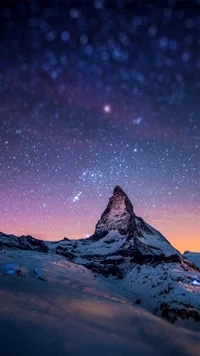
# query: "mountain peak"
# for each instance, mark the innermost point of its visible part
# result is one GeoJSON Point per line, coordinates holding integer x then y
{"type": "Point", "coordinates": [118, 215]}
{"type": "Point", "coordinates": [118, 191]}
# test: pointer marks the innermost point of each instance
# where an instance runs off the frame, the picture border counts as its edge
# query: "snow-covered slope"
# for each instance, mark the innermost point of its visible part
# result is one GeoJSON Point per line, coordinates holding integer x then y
{"type": "Point", "coordinates": [71, 311]}
{"type": "Point", "coordinates": [125, 252]}
{"type": "Point", "coordinates": [167, 289]}
{"type": "Point", "coordinates": [193, 257]}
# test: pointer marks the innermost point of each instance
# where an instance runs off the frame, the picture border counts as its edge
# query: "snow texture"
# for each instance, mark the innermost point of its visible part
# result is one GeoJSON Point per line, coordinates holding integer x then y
{"type": "Point", "coordinates": [74, 312]}
{"type": "Point", "coordinates": [106, 291]}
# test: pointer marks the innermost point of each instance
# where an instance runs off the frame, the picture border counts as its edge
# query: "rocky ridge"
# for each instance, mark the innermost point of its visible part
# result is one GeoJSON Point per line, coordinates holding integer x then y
{"type": "Point", "coordinates": [133, 255]}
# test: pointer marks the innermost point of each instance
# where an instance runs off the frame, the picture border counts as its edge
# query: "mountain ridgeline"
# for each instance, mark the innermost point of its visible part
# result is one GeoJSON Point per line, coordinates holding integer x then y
{"type": "Point", "coordinates": [129, 252]}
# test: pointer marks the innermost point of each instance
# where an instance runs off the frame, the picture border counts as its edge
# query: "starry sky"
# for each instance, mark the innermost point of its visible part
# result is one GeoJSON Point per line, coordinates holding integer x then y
{"type": "Point", "coordinates": [95, 94]}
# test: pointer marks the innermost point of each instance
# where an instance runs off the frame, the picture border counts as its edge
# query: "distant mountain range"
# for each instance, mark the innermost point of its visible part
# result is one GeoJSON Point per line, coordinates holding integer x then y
{"type": "Point", "coordinates": [128, 253]}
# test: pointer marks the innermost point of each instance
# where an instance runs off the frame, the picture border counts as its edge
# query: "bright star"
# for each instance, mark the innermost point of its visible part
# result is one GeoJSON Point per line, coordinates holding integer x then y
{"type": "Point", "coordinates": [77, 197]}
{"type": "Point", "coordinates": [107, 108]}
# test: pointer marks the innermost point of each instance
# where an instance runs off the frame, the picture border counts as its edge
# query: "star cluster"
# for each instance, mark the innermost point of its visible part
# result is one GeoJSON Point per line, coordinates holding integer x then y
{"type": "Point", "coordinates": [95, 94]}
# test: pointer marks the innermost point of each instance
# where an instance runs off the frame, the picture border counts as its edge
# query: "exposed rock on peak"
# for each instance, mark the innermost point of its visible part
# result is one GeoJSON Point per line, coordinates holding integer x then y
{"type": "Point", "coordinates": [118, 191]}
{"type": "Point", "coordinates": [140, 238]}
{"type": "Point", "coordinates": [118, 216]}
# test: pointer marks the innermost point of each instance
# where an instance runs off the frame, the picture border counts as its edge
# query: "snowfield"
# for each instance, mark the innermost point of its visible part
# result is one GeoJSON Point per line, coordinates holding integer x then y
{"type": "Point", "coordinates": [74, 312]}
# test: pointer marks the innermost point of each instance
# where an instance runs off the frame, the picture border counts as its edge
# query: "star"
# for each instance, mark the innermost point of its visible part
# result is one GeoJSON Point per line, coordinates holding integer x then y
{"type": "Point", "coordinates": [107, 108]}
{"type": "Point", "coordinates": [77, 197]}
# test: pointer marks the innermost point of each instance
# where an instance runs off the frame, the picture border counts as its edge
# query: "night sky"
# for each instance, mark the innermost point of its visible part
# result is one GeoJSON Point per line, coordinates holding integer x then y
{"type": "Point", "coordinates": [95, 94]}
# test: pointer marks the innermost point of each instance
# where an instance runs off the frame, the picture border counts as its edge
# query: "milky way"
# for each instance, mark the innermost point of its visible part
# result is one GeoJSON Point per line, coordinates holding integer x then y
{"type": "Point", "coordinates": [95, 94]}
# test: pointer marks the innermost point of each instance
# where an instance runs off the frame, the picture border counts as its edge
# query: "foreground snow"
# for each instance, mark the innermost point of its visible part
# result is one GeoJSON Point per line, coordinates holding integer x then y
{"type": "Point", "coordinates": [167, 286]}
{"type": "Point", "coordinates": [74, 312]}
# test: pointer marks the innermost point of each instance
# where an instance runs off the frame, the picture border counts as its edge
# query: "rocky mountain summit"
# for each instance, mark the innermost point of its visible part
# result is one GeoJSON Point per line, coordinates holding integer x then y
{"type": "Point", "coordinates": [131, 254]}
{"type": "Point", "coordinates": [120, 240]}
{"type": "Point", "coordinates": [118, 216]}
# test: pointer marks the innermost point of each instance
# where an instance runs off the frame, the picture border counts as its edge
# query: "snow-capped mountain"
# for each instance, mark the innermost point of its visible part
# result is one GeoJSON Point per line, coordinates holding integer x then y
{"type": "Point", "coordinates": [133, 256]}
{"type": "Point", "coordinates": [119, 216]}
{"type": "Point", "coordinates": [120, 240]}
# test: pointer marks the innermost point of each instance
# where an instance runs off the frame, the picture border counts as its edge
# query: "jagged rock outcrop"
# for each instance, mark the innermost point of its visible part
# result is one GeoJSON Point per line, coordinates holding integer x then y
{"type": "Point", "coordinates": [118, 216]}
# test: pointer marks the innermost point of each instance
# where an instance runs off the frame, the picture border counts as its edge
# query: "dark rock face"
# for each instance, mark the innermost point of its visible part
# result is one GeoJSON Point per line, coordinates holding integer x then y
{"type": "Point", "coordinates": [118, 216]}
{"type": "Point", "coordinates": [36, 245]}
{"type": "Point", "coordinates": [22, 243]}
{"type": "Point", "coordinates": [185, 311]}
